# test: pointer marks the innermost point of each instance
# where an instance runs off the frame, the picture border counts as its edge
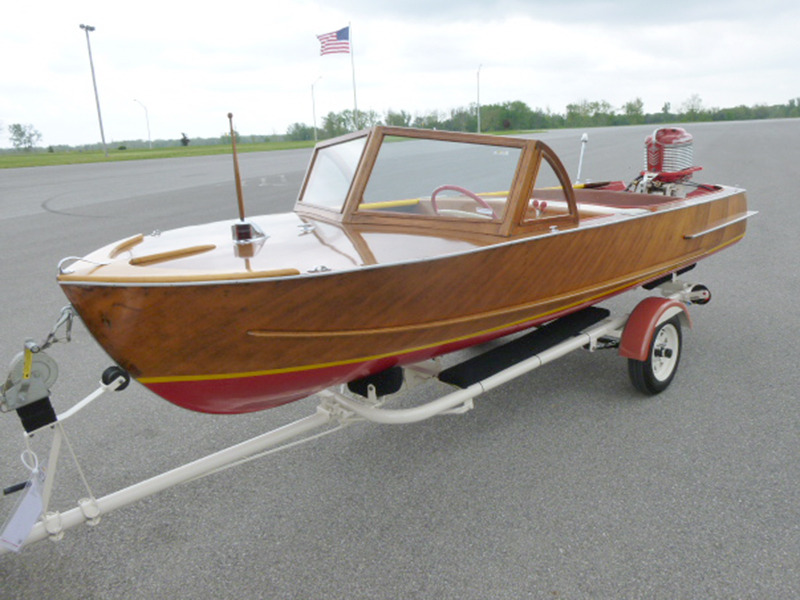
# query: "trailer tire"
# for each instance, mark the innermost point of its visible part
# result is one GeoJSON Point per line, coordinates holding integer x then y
{"type": "Point", "coordinates": [653, 375]}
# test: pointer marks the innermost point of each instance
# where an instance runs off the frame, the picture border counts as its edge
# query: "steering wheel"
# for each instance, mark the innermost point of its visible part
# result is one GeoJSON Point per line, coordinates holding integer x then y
{"type": "Point", "coordinates": [463, 191]}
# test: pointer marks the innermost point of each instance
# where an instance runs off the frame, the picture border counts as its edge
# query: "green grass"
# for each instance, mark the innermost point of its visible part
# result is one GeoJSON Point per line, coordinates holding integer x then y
{"type": "Point", "coordinates": [42, 159]}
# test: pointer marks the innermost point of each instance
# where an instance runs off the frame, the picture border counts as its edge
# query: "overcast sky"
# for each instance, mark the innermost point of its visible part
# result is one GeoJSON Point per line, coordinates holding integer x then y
{"type": "Point", "coordinates": [190, 63]}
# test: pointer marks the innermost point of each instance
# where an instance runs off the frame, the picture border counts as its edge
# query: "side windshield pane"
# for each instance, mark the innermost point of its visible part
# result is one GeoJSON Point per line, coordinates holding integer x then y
{"type": "Point", "coordinates": [332, 174]}
{"type": "Point", "coordinates": [548, 198]}
{"type": "Point", "coordinates": [441, 179]}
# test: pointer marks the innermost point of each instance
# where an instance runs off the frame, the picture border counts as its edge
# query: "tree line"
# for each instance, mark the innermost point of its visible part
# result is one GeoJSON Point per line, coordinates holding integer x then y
{"type": "Point", "coordinates": [517, 115]}
{"type": "Point", "coordinates": [503, 117]}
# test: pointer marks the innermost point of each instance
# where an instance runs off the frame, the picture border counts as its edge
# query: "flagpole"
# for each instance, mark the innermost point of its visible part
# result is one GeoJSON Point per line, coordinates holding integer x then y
{"type": "Point", "coordinates": [353, 65]}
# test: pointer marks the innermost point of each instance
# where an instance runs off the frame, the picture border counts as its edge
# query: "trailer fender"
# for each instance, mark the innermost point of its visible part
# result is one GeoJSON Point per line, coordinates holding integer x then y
{"type": "Point", "coordinates": [649, 314]}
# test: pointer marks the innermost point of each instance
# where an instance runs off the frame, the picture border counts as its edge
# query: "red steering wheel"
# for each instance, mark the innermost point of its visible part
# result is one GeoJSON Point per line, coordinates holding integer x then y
{"type": "Point", "coordinates": [463, 191]}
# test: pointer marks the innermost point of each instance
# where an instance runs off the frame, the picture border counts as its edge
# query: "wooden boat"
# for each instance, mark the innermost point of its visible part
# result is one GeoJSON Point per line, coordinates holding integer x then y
{"type": "Point", "coordinates": [404, 245]}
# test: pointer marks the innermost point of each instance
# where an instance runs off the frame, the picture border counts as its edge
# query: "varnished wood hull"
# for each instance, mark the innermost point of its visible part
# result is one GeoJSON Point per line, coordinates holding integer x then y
{"type": "Point", "coordinates": [241, 346]}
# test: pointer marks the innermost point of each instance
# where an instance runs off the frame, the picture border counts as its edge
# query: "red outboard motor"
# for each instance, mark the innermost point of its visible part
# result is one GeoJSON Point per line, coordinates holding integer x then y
{"type": "Point", "coordinates": [668, 159]}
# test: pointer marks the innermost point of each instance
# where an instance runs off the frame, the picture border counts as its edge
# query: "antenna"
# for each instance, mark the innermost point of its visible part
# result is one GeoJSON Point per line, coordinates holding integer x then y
{"type": "Point", "coordinates": [237, 176]}
{"type": "Point", "coordinates": [244, 232]}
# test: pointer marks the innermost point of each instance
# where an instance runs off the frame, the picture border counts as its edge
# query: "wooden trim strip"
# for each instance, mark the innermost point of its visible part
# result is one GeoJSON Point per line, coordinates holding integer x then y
{"type": "Point", "coordinates": [747, 215]}
{"type": "Point", "coordinates": [451, 136]}
{"type": "Point", "coordinates": [150, 259]}
{"type": "Point", "coordinates": [126, 245]}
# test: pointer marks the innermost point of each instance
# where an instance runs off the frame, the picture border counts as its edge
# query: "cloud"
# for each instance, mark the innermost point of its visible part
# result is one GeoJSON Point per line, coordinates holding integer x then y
{"type": "Point", "coordinates": [191, 63]}
{"type": "Point", "coordinates": [612, 14]}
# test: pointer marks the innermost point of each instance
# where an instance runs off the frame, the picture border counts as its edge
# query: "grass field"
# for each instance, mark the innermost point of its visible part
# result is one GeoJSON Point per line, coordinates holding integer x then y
{"type": "Point", "coordinates": [42, 159]}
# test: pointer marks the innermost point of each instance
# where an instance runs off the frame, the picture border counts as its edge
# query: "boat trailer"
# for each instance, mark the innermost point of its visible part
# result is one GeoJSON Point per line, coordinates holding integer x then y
{"type": "Point", "coordinates": [650, 337]}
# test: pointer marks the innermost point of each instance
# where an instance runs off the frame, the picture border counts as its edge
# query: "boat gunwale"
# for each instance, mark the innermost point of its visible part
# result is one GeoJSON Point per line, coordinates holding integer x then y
{"type": "Point", "coordinates": [217, 278]}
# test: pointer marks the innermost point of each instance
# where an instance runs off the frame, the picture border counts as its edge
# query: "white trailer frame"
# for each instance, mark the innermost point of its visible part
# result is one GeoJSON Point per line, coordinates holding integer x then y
{"type": "Point", "coordinates": [335, 407]}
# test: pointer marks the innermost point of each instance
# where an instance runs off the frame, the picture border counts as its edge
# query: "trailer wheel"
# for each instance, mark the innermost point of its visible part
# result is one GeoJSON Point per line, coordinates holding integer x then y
{"type": "Point", "coordinates": [654, 375]}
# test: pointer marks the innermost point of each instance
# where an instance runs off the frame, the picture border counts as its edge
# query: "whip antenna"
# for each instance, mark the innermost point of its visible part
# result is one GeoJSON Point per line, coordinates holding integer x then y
{"type": "Point", "coordinates": [244, 232]}
{"type": "Point", "coordinates": [237, 176]}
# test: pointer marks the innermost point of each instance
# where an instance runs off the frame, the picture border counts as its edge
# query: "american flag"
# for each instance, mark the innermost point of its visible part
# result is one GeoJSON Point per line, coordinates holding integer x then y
{"type": "Point", "coordinates": [336, 42]}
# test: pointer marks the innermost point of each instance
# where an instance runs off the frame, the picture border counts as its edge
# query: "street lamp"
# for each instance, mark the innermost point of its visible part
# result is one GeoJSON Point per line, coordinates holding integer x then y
{"type": "Point", "coordinates": [87, 29]}
{"type": "Point", "coordinates": [314, 107]}
{"type": "Point", "coordinates": [479, 97]}
{"type": "Point", "coordinates": [147, 118]}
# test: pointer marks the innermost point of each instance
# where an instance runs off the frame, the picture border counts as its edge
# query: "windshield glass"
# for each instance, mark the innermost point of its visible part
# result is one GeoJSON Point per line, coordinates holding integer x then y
{"type": "Point", "coordinates": [332, 174]}
{"type": "Point", "coordinates": [441, 178]}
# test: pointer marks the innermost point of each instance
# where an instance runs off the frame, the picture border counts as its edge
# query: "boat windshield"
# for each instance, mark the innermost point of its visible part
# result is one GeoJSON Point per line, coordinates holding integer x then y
{"type": "Point", "coordinates": [332, 172]}
{"type": "Point", "coordinates": [441, 178]}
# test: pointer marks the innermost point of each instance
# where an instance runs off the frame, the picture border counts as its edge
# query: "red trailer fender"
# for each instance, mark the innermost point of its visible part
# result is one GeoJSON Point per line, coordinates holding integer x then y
{"type": "Point", "coordinates": [648, 314]}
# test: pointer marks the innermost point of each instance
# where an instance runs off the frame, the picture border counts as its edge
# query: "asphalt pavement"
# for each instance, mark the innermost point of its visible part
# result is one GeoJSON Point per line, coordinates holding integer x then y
{"type": "Point", "coordinates": [564, 483]}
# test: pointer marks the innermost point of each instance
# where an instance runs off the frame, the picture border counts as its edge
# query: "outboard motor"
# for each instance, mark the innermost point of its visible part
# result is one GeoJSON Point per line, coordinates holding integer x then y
{"type": "Point", "coordinates": [668, 163]}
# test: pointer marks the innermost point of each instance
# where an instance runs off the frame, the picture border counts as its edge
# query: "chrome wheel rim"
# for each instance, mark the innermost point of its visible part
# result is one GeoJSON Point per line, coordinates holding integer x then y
{"type": "Point", "coordinates": [664, 356]}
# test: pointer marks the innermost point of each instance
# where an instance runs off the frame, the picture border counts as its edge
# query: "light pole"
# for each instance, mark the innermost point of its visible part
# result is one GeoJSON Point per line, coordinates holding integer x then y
{"type": "Point", "coordinates": [87, 29]}
{"type": "Point", "coordinates": [147, 118]}
{"type": "Point", "coordinates": [479, 97]}
{"type": "Point", "coordinates": [314, 107]}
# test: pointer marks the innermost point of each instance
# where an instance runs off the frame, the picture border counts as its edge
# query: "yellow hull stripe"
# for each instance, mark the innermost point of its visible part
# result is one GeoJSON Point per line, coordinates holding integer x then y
{"type": "Point", "coordinates": [217, 377]}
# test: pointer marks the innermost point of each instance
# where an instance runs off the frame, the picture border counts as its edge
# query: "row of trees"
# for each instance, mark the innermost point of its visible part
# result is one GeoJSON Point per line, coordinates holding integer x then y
{"type": "Point", "coordinates": [517, 115]}
{"type": "Point", "coordinates": [507, 116]}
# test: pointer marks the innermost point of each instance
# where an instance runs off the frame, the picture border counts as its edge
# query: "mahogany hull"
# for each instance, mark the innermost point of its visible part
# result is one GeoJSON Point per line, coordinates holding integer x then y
{"type": "Point", "coordinates": [243, 346]}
